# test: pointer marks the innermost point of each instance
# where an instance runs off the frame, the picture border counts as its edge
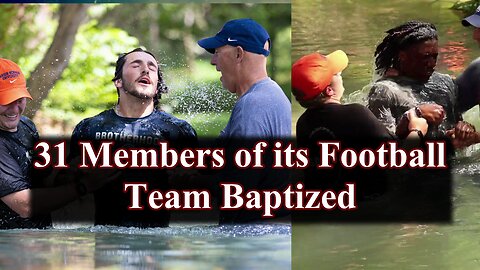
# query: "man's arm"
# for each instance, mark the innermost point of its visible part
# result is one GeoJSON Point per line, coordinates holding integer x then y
{"type": "Point", "coordinates": [31, 202]}
{"type": "Point", "coordinates": [380, 101]}
{"type": "Point", "coordinates": [37, 201]}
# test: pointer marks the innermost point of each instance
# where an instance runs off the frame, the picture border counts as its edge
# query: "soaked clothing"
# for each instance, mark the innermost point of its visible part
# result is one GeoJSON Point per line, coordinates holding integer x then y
{"type": "Point", "coordinates": [262, 112]}
{"type": "Point", "coordinates": [390, 98]}
{"type": "Point", "coordinates": [111, 202]}
{"type": "Point", "coordinates": [355, 127]}
{"type": "Point", "coordinates": [16, 151]}
{"type": "Point", "coordinates": [469, 87]}
{"type": "Point", "coordinates": [349, 122]}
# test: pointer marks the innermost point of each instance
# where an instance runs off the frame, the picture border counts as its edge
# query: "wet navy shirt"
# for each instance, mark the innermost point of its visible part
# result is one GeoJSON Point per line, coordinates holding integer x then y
{"type": "Point", "coordinates": [16, 151]}
{"type": "Point", "coordinates": [111, 202]}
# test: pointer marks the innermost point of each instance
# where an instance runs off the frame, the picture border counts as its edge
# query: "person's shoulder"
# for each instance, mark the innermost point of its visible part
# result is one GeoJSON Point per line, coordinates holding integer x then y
{"type": "Point", "coordinates": [266, 95]}
{"type": "Point", "coordinates": [389, 83]}
{"type": "Point", "coordinates": [92, 121]}
{"type": "Point", "coordinates": [99, 117]}
{"type": "Point", "coordinates": [266, 87]}
{"type": "Point", "coordinates": [441, 76]}
{"type": "Point", "coordinates": [355, 107]}
{"type": "Point", "coordinates": [28, 122]}
{"type": "Point", "coordinates": [442, 81]}
{"type": "Point", "coordinates": [182, 124]}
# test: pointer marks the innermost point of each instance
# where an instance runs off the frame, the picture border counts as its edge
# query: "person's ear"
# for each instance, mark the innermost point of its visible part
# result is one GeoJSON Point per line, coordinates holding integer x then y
{"type": "Point", "coordinates": [240, 54]}
{"type": "Point", "coordinates": [118, 83]}
{"type": "Point", "coordinates": [329, 91]}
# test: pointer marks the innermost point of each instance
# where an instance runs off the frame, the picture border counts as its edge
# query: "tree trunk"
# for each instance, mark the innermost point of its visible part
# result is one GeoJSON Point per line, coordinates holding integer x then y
{"type": "Point", "coordinates": [56, 59]}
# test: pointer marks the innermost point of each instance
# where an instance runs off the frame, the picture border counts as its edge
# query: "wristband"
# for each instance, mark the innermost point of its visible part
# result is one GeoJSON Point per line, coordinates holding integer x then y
{"type": "Point", "coordinates": [419, 133]}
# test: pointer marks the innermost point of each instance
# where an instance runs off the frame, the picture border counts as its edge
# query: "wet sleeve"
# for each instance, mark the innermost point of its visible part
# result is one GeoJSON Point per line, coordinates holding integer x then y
{"type": "Point", "coordinates": [76, 137]}
{"type": "Point", "coordinates": [380, 102]}
{"type": "Point", "coordinates": [11, 176]}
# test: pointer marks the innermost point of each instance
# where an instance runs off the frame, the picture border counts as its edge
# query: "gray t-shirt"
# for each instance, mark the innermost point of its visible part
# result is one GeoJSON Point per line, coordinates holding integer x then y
{"type": "Point", "coordinates": [391, 97]}
{"type": "Point", "coordinates": [263, 112]}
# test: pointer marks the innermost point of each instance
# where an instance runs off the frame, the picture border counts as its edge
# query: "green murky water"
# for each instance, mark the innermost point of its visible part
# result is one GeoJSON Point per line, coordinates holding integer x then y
{"type": "Point", "coordinates": [357, 27]}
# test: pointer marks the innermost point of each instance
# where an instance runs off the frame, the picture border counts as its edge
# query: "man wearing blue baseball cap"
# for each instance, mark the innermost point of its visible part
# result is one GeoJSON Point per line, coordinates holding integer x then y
{"type": "Point", "coordinates": [240, 51]}
{"type": "Point", "coordinates": [262, 111]}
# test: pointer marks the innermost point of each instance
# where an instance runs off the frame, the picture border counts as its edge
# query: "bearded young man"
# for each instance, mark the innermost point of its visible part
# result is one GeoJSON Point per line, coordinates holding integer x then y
{"type": "Point", "coordinates": [134, 122]}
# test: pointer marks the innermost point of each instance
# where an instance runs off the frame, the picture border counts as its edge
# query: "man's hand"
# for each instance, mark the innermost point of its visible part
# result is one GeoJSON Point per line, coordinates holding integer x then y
{"type": "Point", "coordinates": [411, 121]}
{"type": "Point", "coordinates": [463, 135]}
{"type": "Point", "coordinates": [416, 122]}
{"type": "Point", "coordinates": [433, 113]}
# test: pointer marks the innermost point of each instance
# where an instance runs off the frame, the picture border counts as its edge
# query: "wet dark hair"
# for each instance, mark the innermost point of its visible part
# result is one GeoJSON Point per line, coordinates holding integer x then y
{"type": "Point", "coordinates": [400, 38]}
{"type": "Point", "coordinates": [161, 87]}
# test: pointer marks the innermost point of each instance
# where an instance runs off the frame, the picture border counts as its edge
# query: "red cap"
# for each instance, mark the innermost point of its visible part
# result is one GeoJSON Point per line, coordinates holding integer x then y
{"type": "Point", "coordinates": [312, 73]}
{"type": "Point", "coordinates": [12, 82]}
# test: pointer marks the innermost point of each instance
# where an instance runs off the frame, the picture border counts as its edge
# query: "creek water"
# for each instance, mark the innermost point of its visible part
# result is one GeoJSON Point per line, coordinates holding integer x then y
{"type": "Point", "coordinates": [176, 247]}
{"type": "Point", "coordinates": [357, 27]}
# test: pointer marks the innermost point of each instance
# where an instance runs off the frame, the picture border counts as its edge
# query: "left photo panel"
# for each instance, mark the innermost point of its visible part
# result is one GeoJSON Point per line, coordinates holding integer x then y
{"type": "Point", "coordinates": [143, 135]}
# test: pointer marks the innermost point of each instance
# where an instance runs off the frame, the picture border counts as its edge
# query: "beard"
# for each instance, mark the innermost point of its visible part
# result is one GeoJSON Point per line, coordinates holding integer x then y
{"type": "Point", "coordinates": [133, 90]}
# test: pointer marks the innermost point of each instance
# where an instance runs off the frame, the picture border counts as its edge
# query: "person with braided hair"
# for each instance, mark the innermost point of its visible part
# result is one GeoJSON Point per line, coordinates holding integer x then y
{"type": "Point", "coordinates": [135, 122]}
{"type": "Point", "coordinates": [405, 62]}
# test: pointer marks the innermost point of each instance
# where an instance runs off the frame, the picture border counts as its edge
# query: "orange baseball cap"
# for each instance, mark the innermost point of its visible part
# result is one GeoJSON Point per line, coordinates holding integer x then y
{"type": "Point", "coordinates": [312, 73]}
{"type": "Point", "coordinates": [12, 82]}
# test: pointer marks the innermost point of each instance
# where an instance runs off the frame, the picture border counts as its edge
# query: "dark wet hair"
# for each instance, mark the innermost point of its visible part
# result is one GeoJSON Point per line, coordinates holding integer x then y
{"type": "Point", "coordinates": [399, 38]}
{"type": "Point", "coordinates": [122, 58]}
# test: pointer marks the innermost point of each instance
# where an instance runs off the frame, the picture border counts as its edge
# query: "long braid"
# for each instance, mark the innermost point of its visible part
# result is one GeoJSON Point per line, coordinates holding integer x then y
{"type": "Point", "coordinates": [399, 38]}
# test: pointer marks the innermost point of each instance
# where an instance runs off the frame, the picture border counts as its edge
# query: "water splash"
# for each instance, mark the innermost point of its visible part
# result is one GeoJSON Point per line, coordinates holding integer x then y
{"type": "Point", "coordinates": [252, 230]}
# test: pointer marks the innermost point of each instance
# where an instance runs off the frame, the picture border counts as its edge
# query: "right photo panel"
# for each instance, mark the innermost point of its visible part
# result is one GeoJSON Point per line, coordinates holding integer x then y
{"type": "Point", "coordinates": [385, 99]}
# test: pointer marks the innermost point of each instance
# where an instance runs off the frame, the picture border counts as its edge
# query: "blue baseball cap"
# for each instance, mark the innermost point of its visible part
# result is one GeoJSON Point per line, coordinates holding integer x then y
{"type": "Point", "coordinates": [473, 19]}
{"type": "Point", "coordinates": [245, 33]}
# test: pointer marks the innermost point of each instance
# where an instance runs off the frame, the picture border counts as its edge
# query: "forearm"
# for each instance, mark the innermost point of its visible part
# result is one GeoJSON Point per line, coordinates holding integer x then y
{"type": "Point", "coordinates": [32, 202]}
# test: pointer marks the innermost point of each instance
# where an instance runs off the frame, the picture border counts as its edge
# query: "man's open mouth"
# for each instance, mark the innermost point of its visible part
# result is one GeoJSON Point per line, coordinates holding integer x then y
{"type": "Point", "coordinates": [145, 80]}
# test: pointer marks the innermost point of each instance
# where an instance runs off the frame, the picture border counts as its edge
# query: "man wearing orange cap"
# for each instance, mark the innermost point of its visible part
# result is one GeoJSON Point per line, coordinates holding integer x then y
{"type": "Point", "coordinates": [22, 205]}
{"type": "Point", "coordinates": [318, 86]}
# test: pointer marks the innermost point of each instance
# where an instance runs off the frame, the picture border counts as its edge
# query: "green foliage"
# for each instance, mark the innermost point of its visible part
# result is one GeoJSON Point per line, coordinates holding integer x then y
{"type": "Point", "coordinates": [19, 31]}
{"type": "Point", "coordinates": [86, 86]}
{"type": "Point", "coordinates": [466, 7]}
{"type": "Point", "coordinates": [283, 61]}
